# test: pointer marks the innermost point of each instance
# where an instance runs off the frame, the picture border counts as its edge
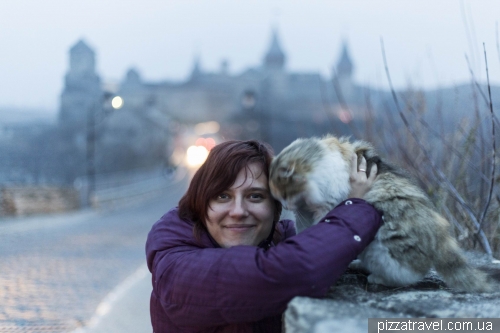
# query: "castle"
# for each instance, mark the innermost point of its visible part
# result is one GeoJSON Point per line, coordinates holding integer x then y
{"type": "Point", "coordinates": [266, 102]}
{"type": "Point", "coordinates": [157, 120]}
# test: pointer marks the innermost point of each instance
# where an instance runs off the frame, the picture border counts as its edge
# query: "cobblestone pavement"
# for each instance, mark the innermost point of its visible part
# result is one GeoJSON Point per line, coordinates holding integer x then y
{"type": "Point", "coordinates": [55, 270]}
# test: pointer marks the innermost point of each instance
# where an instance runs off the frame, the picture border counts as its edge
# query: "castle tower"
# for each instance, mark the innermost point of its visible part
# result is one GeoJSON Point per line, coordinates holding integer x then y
{"type": "Point", "coordinates": [132, 79]}
{"type": "Point", "coordinates": [82, 87]}
{"type": "Point", "coordinates": [132, 90]}
{"type": "Point", "coordinates": [273, 88]}
{"type": "Point", "coordinates": [196, 71]}
{"type": "Point", "coordinates": [275, 57]}
{"type": "Point", "coordinates": [342, 73]}
{"type": "Point", "coordinates": [344, 65]}
{"type": "Point", "coordinates": [82, 59]}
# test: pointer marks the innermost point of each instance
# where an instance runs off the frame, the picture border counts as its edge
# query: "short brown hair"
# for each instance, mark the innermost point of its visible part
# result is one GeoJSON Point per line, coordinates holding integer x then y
{"type": "Point", "coordinates": [218, 173]}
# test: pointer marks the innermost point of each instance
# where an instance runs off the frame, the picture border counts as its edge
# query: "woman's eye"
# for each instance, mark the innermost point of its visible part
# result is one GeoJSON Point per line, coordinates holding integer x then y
{"type": "Point", "coordinates": [256, 196]}
{"type": "Point", "coordinates": [222, 196]}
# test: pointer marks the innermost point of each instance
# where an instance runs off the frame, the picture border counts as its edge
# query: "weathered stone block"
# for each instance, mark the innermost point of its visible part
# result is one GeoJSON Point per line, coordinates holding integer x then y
{"type": "Point", "coordinates": [37, 200]}
{"type": "Point", "coordinates": [352, 301]}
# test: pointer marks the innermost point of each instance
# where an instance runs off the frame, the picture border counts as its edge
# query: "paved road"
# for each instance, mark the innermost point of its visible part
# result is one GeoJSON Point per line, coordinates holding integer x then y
{"type": "Point", "coordinates": [55, 271]}
{"type": "Point", "coordinates": [125, 309]}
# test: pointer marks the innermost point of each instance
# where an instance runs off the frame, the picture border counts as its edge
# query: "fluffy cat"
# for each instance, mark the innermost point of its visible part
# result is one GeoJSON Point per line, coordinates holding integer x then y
{"type": "Point", "coordinates": [311, 177]}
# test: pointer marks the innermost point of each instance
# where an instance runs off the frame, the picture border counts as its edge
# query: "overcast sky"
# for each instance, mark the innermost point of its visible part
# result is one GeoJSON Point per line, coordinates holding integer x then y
{"type": "Point", "coordinates": [425, 40]}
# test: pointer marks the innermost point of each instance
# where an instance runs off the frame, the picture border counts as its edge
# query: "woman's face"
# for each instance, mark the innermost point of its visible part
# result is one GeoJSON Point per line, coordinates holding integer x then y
{"type": "Point", "coordinates": [243, 214]}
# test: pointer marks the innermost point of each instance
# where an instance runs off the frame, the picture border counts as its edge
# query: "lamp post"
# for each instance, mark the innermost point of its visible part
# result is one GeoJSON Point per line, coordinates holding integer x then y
{"type": "Point", "coordinates": [250, 112]}
{"type": "Point", "coordinates": [103, 105]}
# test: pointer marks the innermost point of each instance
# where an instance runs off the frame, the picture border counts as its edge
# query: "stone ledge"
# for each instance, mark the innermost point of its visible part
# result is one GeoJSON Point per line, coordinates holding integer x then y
{"type": "Point", "coordinates": [350, 303]}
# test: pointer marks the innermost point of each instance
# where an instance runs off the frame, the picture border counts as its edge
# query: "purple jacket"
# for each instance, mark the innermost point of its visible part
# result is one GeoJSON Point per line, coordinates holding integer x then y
{"type": "Point", "coordinates": [200, 287]}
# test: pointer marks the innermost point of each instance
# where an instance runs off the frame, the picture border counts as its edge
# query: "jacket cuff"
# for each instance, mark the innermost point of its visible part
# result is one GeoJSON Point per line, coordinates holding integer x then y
{"type": "Point", "coordinates": [352, 200]}
{"type": "Point", "coordinates": [358, 216]}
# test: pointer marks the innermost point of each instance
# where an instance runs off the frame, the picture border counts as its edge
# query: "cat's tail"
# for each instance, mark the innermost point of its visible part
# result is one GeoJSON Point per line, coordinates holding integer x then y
{"type": "Point", "coordinates": [458, 274]}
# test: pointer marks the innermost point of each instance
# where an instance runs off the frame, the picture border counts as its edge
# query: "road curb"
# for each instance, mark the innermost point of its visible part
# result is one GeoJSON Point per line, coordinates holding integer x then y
{"type": "Point", "coordinates": [114, 296]}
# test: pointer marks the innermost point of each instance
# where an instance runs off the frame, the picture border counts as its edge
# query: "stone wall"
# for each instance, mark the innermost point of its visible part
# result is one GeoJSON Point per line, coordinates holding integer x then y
{"type": "Point", "coordinates": [349, 304]}
{"type": "Point", "coordinates": [27, 200]}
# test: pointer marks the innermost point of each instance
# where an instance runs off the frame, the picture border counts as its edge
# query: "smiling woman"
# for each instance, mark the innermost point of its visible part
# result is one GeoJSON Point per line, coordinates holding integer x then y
{"type": "Point", "coordinates": [243, 214]}
{"type": "Point", "coordinates": [224, 262]}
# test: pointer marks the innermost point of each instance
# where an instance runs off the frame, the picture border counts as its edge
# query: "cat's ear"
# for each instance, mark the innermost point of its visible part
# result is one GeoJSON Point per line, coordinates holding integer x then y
{"type": "Point", "coordinates": [331, 142]}
{"type": "Point", "coordinates": [342, 145]}
{"type": "Point", "coordinates": [286, 172]}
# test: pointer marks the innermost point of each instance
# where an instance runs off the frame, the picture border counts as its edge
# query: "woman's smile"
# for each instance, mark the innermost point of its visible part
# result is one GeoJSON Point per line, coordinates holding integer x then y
{"type": "Point", "coordinates": [239, 229]}
{"type": "Point", "coordinates": [238, 226]}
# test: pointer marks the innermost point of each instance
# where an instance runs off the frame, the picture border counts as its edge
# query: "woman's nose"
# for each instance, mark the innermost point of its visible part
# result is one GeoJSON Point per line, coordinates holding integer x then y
{"type": "Point", "coordinates": [238, 209]}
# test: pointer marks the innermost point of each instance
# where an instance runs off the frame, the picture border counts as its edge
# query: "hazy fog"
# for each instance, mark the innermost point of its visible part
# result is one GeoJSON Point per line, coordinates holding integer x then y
{"type": "Point", "coordinates": [425, 40]}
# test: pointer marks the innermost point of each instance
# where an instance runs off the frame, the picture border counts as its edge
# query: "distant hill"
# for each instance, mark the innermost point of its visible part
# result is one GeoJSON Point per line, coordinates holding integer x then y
{"type": "Point", "coordinates": [20, 116]}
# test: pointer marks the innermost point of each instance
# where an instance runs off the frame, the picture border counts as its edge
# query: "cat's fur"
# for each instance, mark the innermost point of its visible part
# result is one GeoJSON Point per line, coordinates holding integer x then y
{"type": "Point", "coordinates": [311, 177]}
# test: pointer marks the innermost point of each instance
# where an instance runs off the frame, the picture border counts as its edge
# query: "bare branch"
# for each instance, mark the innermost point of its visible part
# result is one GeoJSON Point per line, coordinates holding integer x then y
{"type": "Point", "coordinates": [473, 78]}
{"type": "Point", "coordinates": [468, 32]}
{"type": "Point", "coordinates": [441, 177]}
{"type": "Point", "coordinates": [440, 136]}
{"type": "Point", "coordinates": [493, 155]}
{"type": "Point", "coordinates": [498, 43]}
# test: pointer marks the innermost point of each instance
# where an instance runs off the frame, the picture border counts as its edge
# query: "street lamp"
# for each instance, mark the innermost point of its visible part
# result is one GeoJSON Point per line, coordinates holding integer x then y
{"type": "Point", "coordinates": [102, 104]}
{"type": "Point", "coordinates": [117, 102]}
{"type": "Point", "coordinates": [248, 100]}
{"type": "Point", "coordinates": [255, 112]}
{"type": "Point", "coordinates": [196, 156]}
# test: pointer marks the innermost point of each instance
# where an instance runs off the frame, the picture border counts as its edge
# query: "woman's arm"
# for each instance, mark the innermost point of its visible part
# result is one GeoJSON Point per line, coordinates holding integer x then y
{"type": "Point", "coordinates": [214, 286]}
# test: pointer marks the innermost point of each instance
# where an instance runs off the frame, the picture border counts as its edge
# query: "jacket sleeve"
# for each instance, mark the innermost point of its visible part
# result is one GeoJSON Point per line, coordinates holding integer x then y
{"type": "Point", "coordinates": [215, 286]}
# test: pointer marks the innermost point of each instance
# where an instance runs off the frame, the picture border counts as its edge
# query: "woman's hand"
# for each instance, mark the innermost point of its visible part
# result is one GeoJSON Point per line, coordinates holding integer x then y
{"type": "Point", "coordinates": [359, 181]}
